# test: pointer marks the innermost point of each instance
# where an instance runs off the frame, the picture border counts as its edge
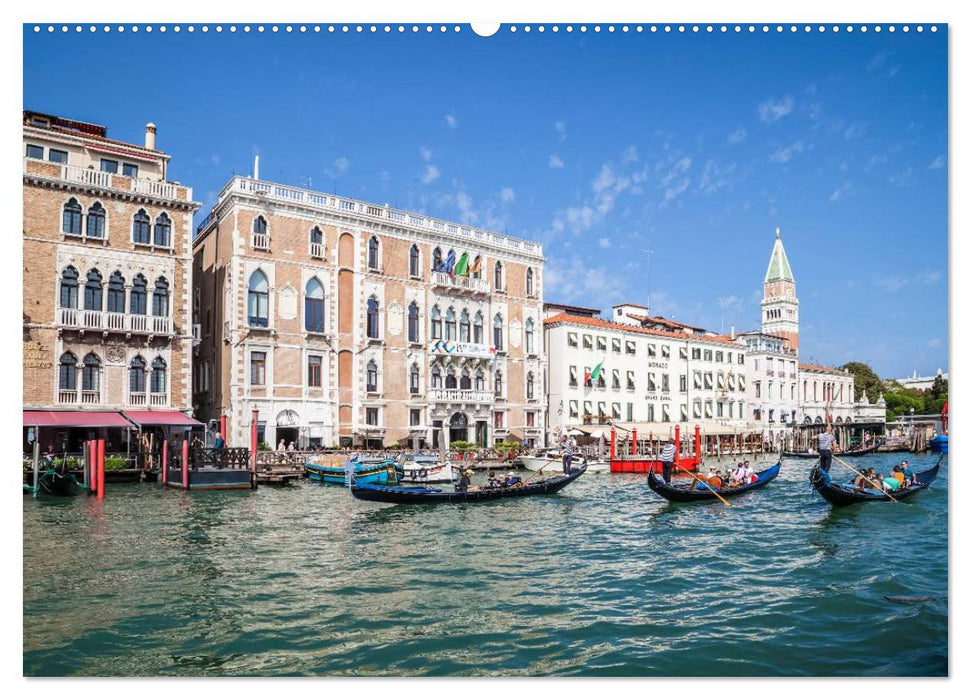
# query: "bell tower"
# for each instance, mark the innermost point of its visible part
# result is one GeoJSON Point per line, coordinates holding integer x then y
{"type": "Point", "coordinates": [780, 307]}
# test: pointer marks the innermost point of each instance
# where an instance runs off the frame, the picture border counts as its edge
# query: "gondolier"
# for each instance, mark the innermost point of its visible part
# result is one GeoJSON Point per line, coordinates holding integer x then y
{"type": "Point", "coordinates": [826, 443]}
{"type": "Point", "coordinates": [568, 446]}
{"type": "Point", "coordinates": [667, 460]}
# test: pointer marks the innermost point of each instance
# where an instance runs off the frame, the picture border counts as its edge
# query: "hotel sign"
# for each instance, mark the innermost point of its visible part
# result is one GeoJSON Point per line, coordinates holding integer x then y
{"type": "Point", "coordinates": [453, 347]}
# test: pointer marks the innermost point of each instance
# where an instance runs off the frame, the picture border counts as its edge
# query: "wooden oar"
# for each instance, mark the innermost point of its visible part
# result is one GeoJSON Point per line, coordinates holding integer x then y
{"type": "Point", "coordinates": [707, 485]}
{"type": "Point", "coordinates": [865, 477]}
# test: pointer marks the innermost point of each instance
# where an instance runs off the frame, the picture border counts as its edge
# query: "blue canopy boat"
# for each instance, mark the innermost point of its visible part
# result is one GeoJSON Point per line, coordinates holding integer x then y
{"type": "Point", "coordinates": [367, 470]}
{"type": "Point", "coordinates": [938, 443]}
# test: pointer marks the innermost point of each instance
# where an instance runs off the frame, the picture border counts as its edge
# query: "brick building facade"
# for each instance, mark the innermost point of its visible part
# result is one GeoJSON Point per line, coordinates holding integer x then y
{"type": "Point", "coordinates": [326, 314]}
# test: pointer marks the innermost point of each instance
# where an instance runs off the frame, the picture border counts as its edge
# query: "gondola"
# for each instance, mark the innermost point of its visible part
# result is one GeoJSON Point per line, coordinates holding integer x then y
{"type": "Point", "coordinates": [56, 484]}
{"type": "Point", "coordinates": [418, 494]}
{"type": "Point", "coordinates": [815, 455]}
{"type": "Point", "coordinates": [847, 494]}
{"type": "Point", "coordinates": [691, 493]}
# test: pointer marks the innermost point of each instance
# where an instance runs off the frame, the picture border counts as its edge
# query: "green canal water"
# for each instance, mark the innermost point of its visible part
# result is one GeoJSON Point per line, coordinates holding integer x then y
{"type": "Point", "coordinates": [604, 578]}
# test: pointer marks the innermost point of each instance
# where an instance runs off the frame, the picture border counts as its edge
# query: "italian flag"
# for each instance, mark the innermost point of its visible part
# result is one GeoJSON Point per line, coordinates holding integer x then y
{"type": "Point", "coordinates": [594, 374]}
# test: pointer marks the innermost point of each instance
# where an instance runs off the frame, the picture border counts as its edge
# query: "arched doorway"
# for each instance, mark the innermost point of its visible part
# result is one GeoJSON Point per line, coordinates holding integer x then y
{"type": "Point", "coordinates": [288, 428]}
{"type": "Point", "coordinates": [458, 427]}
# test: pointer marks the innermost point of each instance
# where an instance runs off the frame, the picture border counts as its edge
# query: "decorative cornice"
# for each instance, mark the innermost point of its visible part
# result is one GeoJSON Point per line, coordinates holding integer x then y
{"type": "Point", "coordinates": [97, 190]}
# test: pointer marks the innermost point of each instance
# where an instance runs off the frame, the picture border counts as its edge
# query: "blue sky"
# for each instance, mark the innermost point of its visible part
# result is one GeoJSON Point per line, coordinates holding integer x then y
{"type": "Point", "coordinates": [601, 146]}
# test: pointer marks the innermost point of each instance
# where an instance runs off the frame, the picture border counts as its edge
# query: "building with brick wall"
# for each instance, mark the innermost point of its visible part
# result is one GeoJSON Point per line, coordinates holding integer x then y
{"type": "Point", "coordinates": [334, 319]}
{"type": "Point", "coordinates": [107, 275]}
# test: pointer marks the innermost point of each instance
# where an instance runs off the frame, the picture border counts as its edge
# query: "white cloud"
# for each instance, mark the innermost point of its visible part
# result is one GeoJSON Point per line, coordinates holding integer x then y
{"type": "Point", "coordinates": [784, 154]}
{"type": "Point", "coordinates": [560, 128]}
{"type": "Point", "coordinates": [630, 155]}
{"type": "Point", "coordinates": [854, 131]}
{"type": "Point", "coordinates": [903, 178]}
{"type": "Point", "coordinates": [773, 110]}
{"type": "Point", "coordinates": [937, 163]}
{"type": "Point", "coordinates": [431, 174]}
{"type": "Point", "coordinates": [737, 136]}
{"type": "Point", "coordinates": [578, 281]}
{"type": "Point", "coordinates": [451, 121]}
{"type": "Point", "coordinates": [556, 162]}
{"type": "Point", "coordinates": [603, 242]}
{"type": "Point", "coordinates": [890, 283]}
{"type": "Point", "coordinates": [842, 191]}
{"type": "Point", "coordinates": [342, 164]}
{"type": "Point", "coordinates": [714, 177]}
{"type": "Point", "coordinates": [508, 194]}
{"type": "Point", "coordinates": [425, 153]}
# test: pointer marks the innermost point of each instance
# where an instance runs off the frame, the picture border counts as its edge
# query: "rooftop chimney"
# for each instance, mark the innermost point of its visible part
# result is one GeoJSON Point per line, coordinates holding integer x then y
{"type": "Point", "coordinates": [733, 332]}
{"type": "Point", "coordinates": [150, 136]}
{"type": "Point", "coordinates": [256, 168]}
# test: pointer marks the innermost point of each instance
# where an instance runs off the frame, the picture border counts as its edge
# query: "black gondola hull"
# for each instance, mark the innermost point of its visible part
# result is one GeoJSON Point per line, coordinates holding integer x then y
{"type": "Point", "coordinates": [841, 495]}
{"type": "Point", "coordinates": [815, 455]}
{"type": "Point", "coordinates": [695, 495]}
{"type": "Point", "coordinates": [402, 494]}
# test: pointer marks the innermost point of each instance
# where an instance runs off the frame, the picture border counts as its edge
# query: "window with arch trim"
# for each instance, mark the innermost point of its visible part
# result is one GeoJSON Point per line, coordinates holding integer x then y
{"type": "Point", "coordinates": [91, 373]}
{"type": "Point", "coordinates": [69, 288]}
{"type": "Point", "coordinates": [437, 260]}
{"type": "Point", "coordinates": [497, 332]}
{"type": "Point", "coordinates": [450, 324]}
{"type": "Point", "coordinates": [136, 375]}
{"type": "Point", "coordinates": [413, 379]}
{"type": "Point", "coordinates": [497, 382]}
{"type": "Point", "coordinates": [436, 377]}
{"type": "Point", "coordinates": [138, 299]}
{"type": "Point", "coordinates": [141, 227]}
{"type": "Point", "coordinates": [414, 262]}
{"type": "Point", "coordinates": [258, 300]}
{"type": "Point", "coordinates": [67, 372]}
{"type": "Point", "coordinates": [163, 231]}
{"type": "Point", "coordinates": [450, 382]}
{"type": "Point", "coordinates": [530, 385]}
{"type": "Point", "coordinates": [465, 381]}
{"type": "Point", "coordinates": [116, 293]}
{"type": "Point", "coordinates": [436, 323]}
{"type": "Point", "coordinates": [371, 376]}
{"type": "Point", "coordinates": [414, 327]}
{"type": "Point", "coordinates": [529, 281]}
{"type": "Point", "coordinates": [316, 242]}
{"type": "Point", "coordinates": [479, 380]}
{"type": "Point", "coordinates": [373, 253]}
{"type": "Point", "coordinates": [160, 298]}
{"type": "Point", "coordinates": [477, 328]}
{"type": "Point", "coordinates": [313, 307]}
{"type": "Point", "coordinates": [528, 334]}
{"type": "Point", "coordinates": [96, 221]}
{"type": "Point", "coordinates": [373, 318]}
{"type": "Point", "coordinates": [464, 326]}
{"type": "Point", "coordinates": [260, 239]}
{"type": "Point", "coordinates": [159, 369]}
{"type": "Point", "coordinates": [497, 275]}
{"type": "Point", "coordinates": [92, 291]}
{"type": "Point", "coordinates": [71, 218]}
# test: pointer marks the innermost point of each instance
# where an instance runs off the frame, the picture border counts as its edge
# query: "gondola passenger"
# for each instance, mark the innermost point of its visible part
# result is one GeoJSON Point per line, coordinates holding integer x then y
{"type": "Point", "coordinates": [909, 474]}
{"type": "Point", "coordinates": [512, 480]}
{"type": "Point", "coordinates": [716, 481]}
{"type": "Point", "coordinates": [494, 482]}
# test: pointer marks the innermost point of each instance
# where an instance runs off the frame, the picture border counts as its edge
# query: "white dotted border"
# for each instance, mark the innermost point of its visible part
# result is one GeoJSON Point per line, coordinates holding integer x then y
{"type": "Point", "coordinates": [512, 29]}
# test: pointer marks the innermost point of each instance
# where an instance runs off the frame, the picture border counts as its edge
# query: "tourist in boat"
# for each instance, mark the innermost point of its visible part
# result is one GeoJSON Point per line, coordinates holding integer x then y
{"type": "Point", "coordinates": [826, 442]}
{"type": "Point", "coordinates": [494, 482]}
{"type": "Point", "coordinates": [465, 481]}
{"type": "Point", "coordinates": [667, 460]}
{"type": "Point", "coordinates": [909, 474]}
{"type": "Point", "coordinates": [512, 480]}
{"type": "Point", "coordinates": [716, 481]}
{"type": "Point", "coordinates": [750, 476]}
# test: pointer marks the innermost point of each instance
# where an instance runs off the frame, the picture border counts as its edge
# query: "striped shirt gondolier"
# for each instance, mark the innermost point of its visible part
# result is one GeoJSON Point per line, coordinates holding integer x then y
{"type": "Point", "coordinates": [667, 453]}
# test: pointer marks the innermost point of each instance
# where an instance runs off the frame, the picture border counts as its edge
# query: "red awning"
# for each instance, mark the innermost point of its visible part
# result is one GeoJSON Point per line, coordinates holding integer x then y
{"type": "Point", "coordinates": [162, 418]}
{"type": "Point", "coordinates": [76, 419]}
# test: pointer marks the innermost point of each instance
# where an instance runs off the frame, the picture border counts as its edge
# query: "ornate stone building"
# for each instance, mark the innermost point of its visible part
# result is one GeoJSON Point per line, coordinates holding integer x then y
{"type": "Point", "coordinates": [335, 320]}
{"type": "Point", "coordinates": [107, 274]}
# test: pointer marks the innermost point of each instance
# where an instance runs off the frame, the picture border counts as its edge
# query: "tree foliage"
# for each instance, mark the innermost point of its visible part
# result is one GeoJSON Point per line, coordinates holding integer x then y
{"type": "Point", "coordinates": [864, 379]}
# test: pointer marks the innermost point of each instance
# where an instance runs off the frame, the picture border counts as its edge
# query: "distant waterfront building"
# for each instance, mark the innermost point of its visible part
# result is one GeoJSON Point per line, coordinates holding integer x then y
{"type": "Point", "coordinates": [107, 278]}
{"type": "Point", "coordinates": [352, 323]}
{"type": "Point", "coordinates": [773, 393]}
{"type": "Point", "coordinates": [921, 383]}
{"type": "Point", "coordinates": [780, 307]}
{"type": "Point", "coordinates": [827, 395]}
{"type": "Point", "coordinates": [650, 379]}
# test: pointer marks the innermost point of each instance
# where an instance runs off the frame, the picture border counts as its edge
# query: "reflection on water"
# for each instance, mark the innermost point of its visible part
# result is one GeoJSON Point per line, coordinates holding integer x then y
{"type": "Point", "coordinates": [603, 579]}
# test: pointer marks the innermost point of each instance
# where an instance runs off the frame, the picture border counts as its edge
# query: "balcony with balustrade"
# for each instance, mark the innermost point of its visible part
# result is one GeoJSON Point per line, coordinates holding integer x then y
{"type": "Point", "coordinates": [73, 397]}
{"type": "Point", "coordinates": [461, 396]}
{"type": "Point", "coordinates": [89, 177]}
{"type": "Point", "coordinates": [83, 320]}
{"type": "Point", "coordinates": [460, 284]}
{"type": "Point", "coordinates": [153, 399]}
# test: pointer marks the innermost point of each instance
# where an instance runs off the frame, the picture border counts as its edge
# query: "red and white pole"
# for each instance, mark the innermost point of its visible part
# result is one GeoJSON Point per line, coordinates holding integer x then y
{"type": "Point", "coordinates": [677, 444]}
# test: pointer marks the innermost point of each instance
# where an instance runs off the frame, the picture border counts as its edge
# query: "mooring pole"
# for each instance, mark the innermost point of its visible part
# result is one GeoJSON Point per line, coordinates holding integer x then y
{"type": "Point", "coordinates": [633, 441]}
{"type": "Point", "coordinates": [254, 423]}
{"type": "Point", "coordinates": [36, 461]}
{"type": "Point", "coordinates": [677, 444]}
{"type": "Point", "coordinates": [613, 443]}
{"type": "Point", "coordinates": [165, 461]}
{"type": "Point", "coordinates": [185, 464]}
{"type": "Point", "coordinates": [101, 468]}
{"type": "Point", "coordinates": [222, 427]}
{"type": "Point", "coordinates": [697, 444]}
